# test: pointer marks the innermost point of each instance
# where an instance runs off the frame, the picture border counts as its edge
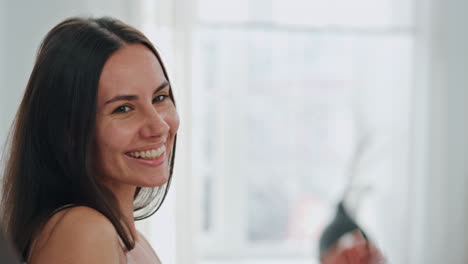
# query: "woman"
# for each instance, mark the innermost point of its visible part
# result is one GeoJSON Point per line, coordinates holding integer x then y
{"type": "Point", "coordinates": [92, 147]}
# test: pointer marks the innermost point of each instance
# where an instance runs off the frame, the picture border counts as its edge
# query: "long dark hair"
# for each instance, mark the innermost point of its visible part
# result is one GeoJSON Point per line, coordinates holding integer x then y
{"type": "Point", "coordinates": [48, 160]}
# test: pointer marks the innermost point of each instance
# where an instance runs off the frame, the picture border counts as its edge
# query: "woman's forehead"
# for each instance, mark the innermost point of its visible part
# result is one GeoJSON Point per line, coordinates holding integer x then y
{"type": "Point", "coordinates": [133, 68]}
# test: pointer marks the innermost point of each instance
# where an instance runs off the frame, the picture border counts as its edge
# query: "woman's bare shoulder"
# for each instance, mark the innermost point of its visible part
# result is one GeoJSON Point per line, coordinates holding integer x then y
{"type": "Point", "coordinates": [77, 235]}
{"type": "Point", "coordinates": [146, 246]}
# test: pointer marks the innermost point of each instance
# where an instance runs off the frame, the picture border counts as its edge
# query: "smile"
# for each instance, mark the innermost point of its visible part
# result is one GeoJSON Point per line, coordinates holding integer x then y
{"type": "Point", "coordinates": [148, 154]}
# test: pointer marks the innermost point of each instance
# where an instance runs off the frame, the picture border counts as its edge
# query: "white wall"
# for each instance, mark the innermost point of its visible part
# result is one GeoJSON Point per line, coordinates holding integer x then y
{"type": "Point", "coordinates": [3, 127]}
{"type": "Point", "coordinates": [441, 134]}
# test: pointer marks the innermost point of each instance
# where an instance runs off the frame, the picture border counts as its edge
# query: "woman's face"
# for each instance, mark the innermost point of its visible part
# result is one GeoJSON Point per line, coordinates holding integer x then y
{"type": "Point", "coordinates": [136, 120]}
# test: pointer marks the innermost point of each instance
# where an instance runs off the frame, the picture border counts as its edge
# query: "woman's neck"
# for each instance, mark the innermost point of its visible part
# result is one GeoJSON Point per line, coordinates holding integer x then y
{"type": "Point", "coordinates": [126, 206]}
{"type": "Point", "coordinates": [125, 195]}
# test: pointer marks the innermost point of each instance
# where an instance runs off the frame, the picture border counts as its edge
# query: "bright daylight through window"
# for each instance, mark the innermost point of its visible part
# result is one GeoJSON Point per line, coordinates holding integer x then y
{"type": "Point", "coordinates": [283, 94]}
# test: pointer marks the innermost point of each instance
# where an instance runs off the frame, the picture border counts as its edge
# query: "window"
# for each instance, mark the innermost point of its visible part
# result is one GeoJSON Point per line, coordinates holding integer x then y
{"type": "Point", "coordinates": [283, 93]}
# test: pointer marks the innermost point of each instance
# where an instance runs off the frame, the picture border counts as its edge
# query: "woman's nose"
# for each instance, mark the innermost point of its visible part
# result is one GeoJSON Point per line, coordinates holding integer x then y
{"type": "Point", "coordinates": [155, 125]}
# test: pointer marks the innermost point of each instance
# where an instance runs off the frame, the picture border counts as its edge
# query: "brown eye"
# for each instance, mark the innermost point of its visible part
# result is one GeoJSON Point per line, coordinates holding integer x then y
{"type": "Point", "coordinates": [160, 98]}
{"type": "Point", "coordinates": [122, 109]}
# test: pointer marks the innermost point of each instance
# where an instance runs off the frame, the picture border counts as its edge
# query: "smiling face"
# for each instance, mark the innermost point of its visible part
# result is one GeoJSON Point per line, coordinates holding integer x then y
{"type": "Point", "coordinates": [136, 120]}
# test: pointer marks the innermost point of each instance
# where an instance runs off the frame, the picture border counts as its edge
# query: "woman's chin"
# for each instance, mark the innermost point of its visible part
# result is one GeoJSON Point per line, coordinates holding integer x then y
{"type": "Point", "coordinates": [155, 182]}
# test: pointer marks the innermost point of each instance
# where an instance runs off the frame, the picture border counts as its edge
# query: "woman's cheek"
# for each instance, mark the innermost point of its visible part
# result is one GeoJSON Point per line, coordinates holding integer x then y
{"type": "Point", "coordinates": [118, 133]}
{"type": "Point", "coordinates": [176, 122]}
{"type": "Point", "coordinates": [172, 119]}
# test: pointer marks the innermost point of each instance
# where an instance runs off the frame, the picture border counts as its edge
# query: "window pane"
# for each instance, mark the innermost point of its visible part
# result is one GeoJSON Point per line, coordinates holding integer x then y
{"type": "Point", "coordinates": [356, 13]}
{"type": "Point", "coordinates": [313, 13]}
{"type": "Point", "coordinates": [281, 113]}
{"type": "Point", "coordinates": [225, 11]}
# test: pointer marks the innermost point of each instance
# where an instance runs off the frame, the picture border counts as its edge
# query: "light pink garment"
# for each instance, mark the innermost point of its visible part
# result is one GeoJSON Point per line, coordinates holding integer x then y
{"type": "Point", "coordinates": [143, 253]}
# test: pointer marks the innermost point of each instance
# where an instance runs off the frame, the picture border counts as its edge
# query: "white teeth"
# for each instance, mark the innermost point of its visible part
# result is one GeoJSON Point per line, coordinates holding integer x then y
{"type": "Point", "coordinates": [149, 154]}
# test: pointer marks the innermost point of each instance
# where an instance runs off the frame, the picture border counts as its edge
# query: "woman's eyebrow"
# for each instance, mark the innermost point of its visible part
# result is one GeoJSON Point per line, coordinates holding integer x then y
{"type": "Point", "coordinates": [161, 86]}
{"type": "Point", "coordinates": [134, 97]}
{"type": "Point", "coordinates": [122, 98]}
